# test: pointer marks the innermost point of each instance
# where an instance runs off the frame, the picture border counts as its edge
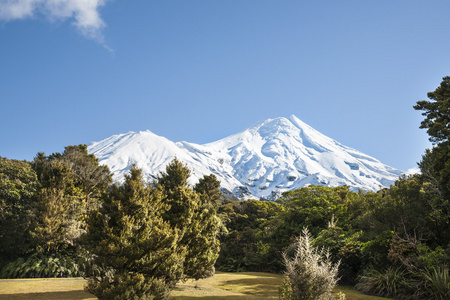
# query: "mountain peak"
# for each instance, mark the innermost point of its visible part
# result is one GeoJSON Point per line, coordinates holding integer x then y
{"type": "Point", "coordinates": [264, 160]}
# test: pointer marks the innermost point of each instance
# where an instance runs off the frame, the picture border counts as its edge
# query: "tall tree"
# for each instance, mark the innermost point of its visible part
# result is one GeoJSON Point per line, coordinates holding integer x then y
{"type": "Point", "coordinates": [134, 251]}
{"type": "Point", "coordinates": [435, 164]}
{"type": "Point", "coordinates": [204, 243]}
{"type": "Point", "coordinates": [193, 213]}
{"type": "Point", "coordinates": [437, 112]}
{"type": "Point", "coordinates": [75, 171]}
{"type": "Point", "coordinates": [208, 187]}
{"type": "Point", "coordinates": [18, 189]}
{"type": "Point", "coordinates": [71, 182]}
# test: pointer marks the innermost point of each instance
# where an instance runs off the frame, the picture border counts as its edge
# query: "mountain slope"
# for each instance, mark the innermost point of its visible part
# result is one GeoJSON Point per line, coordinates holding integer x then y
{"type": "Point", "coordinates": [152, 153]}
{"type": "Point", "coordinates": [262, 161]}
{"type": "Point", "coordinates": [281, 154]}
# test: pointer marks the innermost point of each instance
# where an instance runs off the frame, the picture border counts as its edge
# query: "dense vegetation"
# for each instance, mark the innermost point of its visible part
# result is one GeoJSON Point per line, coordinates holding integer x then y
{"type": "Point", "coordinates": [395, 242]}
{"type": "Point", "coordinates": [61, 215]}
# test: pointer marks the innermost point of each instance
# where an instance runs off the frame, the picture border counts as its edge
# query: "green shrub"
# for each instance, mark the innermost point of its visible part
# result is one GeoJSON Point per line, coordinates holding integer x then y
{"type": "Point", "coordinates": [130, 287]}
{"type": "Point", "coordinates": [389, 283]}
{"type": "Point", "coordinates": [42, 266]}
{"type": "Point", "coordinates": [437, 283]}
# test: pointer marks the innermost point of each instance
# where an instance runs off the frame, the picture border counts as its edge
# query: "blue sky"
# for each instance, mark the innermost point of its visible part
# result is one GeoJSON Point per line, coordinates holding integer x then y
{"type": "Point", "coordinates": [201, 70]}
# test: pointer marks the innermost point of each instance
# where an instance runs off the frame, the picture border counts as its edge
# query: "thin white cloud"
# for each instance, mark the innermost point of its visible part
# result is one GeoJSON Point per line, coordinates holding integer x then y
{"type": "Point", "coordinates": [85, 14]}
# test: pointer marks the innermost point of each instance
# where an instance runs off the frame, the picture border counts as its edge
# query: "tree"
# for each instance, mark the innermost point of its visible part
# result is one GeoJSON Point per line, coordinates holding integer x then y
{"type": "Point", "coordinates": [75, 171]}
{"type": "Point", "coordinates": [56, 226]}
{"type": "Point", "coordinates": [204, 244]}
{"type": "Point", "coordinates": [437, 112]}
{"type": "Point", "coordinates": [193, 213]}
{"type": "Point", "coordinates": [18, 189]}
{"type": "Point", "coordinates": [435, 164]}
{"type": "Point", "coordinates": [248, 244]}
{"type": "Point", "coordinates": [134, 251]}
{"type": "Point", "coordinates": [71, 185]}
{"type": "Point", "coordinates": [208, 188]}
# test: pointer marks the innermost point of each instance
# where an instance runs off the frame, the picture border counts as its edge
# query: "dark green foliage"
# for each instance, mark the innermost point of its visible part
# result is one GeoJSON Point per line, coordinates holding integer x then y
{"type": "Point", "coordinates": [43, 266]}
{"type": "Point", "coordinates": [260, 231]}
{"type": "Point", "coordinates": [176, 176]}
{"type": "Point", "coordinates": [45, 204]}
{"type": "Point", "coordinates": [435, 164]}
{"type": "Point", "coordinates": [193, 213]}
{"type": "Point", "coordinates": [75, 172]}
{"type": "Point", "coordinates": [315, 206]}
{"type": "Point", "coordinates": [248, 245]}
{"type": "Point", "coordinates": [181, 200]}
{"type": "Point", "coordinates": [435, 167]}
{"type": "Point", "coordinates": [18, 189]}
{"type": "Point", "coordinates": [416, 214]}
{"type": "Point", "coordinates": [375, 252]}
{"type": "Point", "coordinates": [56, 226]}
{"type": "Point", "coordinates": [436, 283]}
{"type": "Point", "coordinates": [143, 240]}
{"type": "Point", "coordinates": [71, 184]}
{"type": "Point", "coordinates": [437, 112]}
{"type": "Point", "coordinates": [351, 259]}
{"type": "Point", "coordinates": [346, 251]}
{"type": "Point", "coordinates": [389, 283]}
{"type": "Point", "coordinates": [208, 188]}
{"type": "Point", "coordinates": [134, 252]}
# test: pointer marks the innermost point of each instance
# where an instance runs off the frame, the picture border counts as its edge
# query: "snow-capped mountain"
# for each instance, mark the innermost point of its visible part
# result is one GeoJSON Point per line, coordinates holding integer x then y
{"type": "Point", "coordinates": [260, 162]}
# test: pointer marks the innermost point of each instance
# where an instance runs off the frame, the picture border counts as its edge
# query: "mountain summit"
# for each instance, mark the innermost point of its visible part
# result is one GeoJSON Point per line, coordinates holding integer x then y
{"type": "Point", "coordinates": [262, 161]}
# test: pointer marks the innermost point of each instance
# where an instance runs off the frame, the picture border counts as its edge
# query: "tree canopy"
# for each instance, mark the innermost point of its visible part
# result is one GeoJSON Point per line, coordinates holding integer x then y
{"type": "Point", "coordinates": [437, 112]}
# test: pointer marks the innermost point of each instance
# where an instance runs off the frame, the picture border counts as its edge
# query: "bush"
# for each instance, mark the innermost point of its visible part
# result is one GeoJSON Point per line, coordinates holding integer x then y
{"type": "Point", "coordinates": [43, 266]}
{"type": "Point", "coordinates": [310, 272]}
{"type": "Point", "coordinates": [388, 283]}
{"type": "Point", "coordinates": [130, 287]}
{"type": "Point", "coordinates": [437, 283]}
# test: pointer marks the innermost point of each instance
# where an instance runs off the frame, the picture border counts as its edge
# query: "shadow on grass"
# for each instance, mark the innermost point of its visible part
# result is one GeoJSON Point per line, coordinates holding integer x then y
{"type": "Point", "coordinates": [69, 295]}
{"type": "Point", "coordinates": [259, 287]}
{"type": "Point", "coordinates": [238, 297]}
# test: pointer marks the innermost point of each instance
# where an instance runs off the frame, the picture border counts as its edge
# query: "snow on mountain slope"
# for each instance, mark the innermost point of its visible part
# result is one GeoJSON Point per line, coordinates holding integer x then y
{"type": "Point", "coordinates": [262, 161]}
{"type": "Point", "coordinates": [281, 154]}
{"type": "Point", "coordinates": [152, 153]}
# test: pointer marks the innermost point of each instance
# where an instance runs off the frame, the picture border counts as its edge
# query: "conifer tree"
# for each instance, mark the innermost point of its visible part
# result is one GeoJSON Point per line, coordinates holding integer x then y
{"type": "Point", "coordinates": [134, 251]}
{"type": "Point", "coordinates": [437, 112]}
{"type": "Point", "coordinates": [208, 188]}
{"type": "Point", "coordinates": [178, 195]}
{"type": "Point", "coordinates": [205, 246]}
{"type": "Point", "coordinates": [193, 213]}
{"type": "Point", "coordinates": [435, 163]}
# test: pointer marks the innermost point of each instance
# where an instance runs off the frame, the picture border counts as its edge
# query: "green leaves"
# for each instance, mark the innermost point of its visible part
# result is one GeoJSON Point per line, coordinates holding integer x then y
{"type": "Point", "coordinates": [131, 246]}
{"type": "Point", "coordinates": [144, 239]}
{"type": "Point", "coordinates": [437, 112]}
{"type": "Point", "coordinates": [18, 189]}
{"type": "Point", "coordinates": [193, 213]}
{"type": "Point", "coordinates": [43, 266]}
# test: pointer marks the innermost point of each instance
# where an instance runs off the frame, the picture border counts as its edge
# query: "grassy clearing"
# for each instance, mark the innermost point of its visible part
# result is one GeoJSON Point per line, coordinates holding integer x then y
{"type": "Point", "coordinates": [245, 286]}
{"type": "Point", "coordinates": [40, 289]}
{"type": "Point", "coordinates": [240, 286]}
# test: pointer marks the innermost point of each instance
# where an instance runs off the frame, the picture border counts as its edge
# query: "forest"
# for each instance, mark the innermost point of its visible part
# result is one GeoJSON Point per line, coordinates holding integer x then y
{"type": "Point", "coordinates": [62, 216]}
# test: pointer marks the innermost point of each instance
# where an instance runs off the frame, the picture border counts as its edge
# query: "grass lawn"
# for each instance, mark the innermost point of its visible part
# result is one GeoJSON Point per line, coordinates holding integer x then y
{"type": "Point", "coordinates": [240, 286]}
{"type": "Point", "coordinates": [40, 289]}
